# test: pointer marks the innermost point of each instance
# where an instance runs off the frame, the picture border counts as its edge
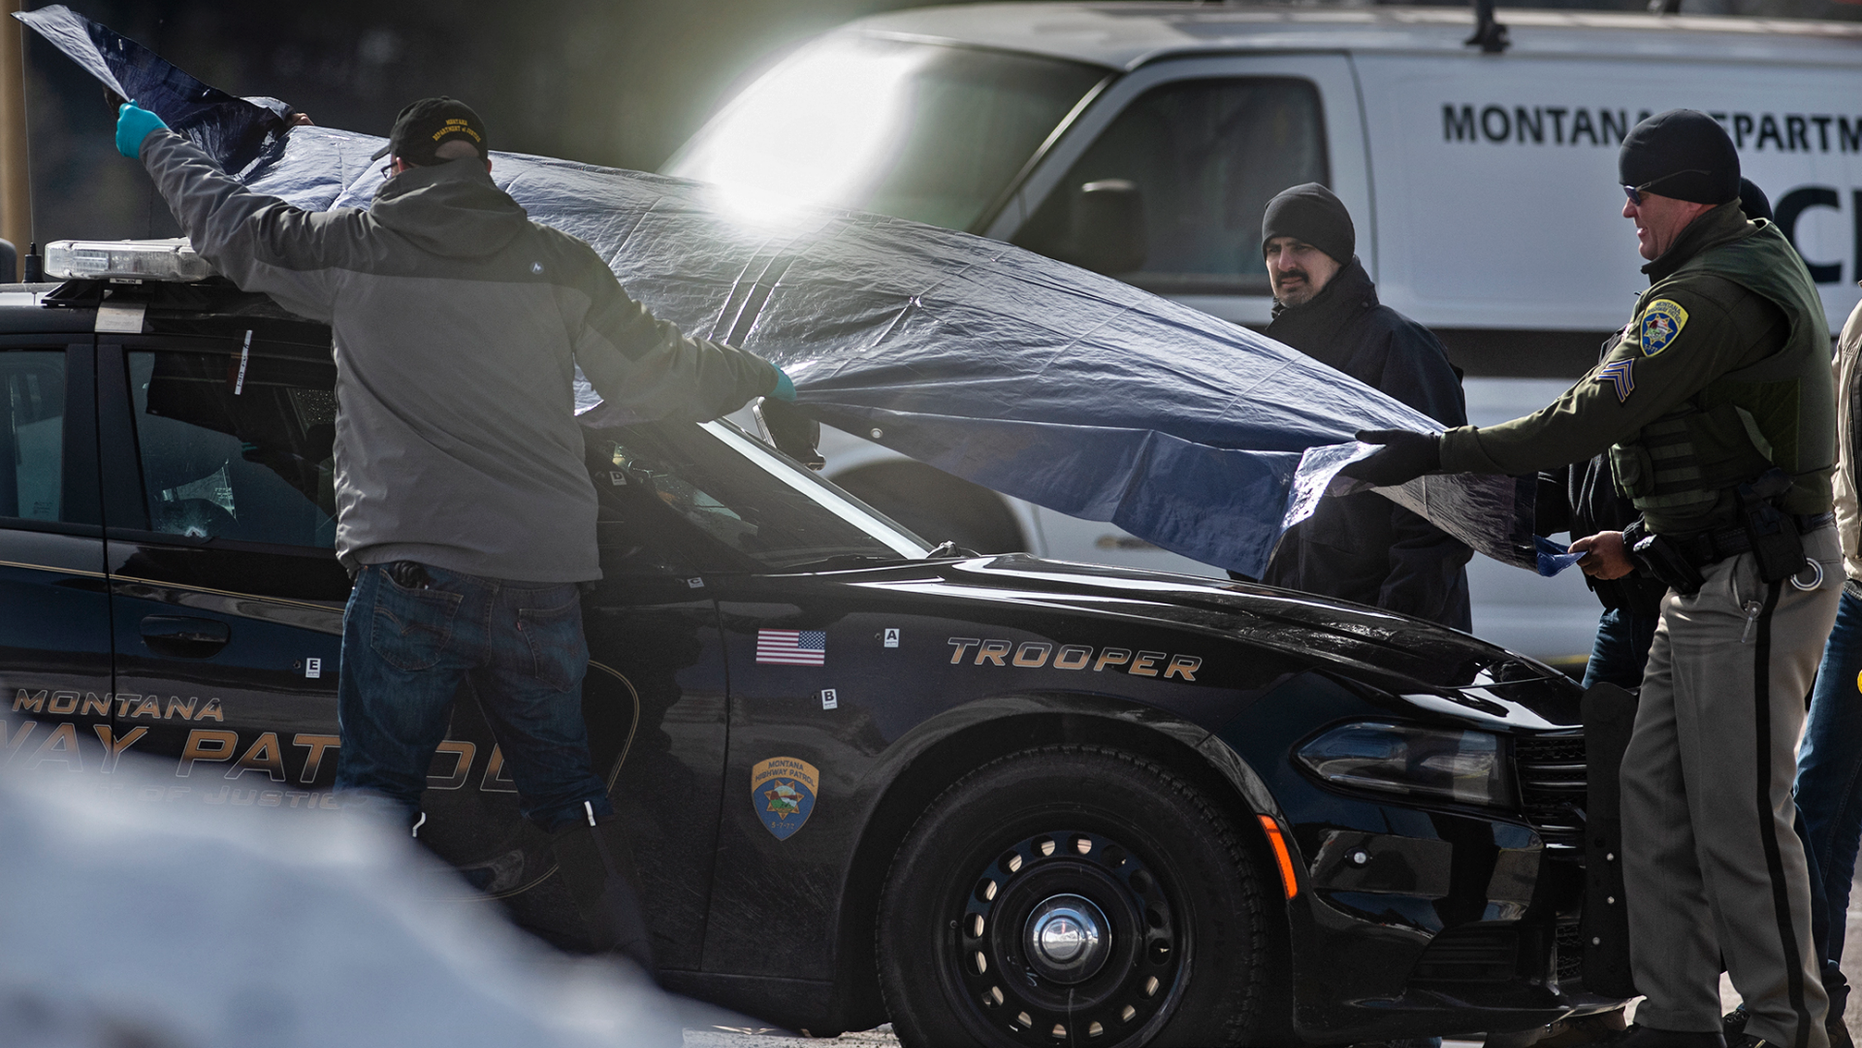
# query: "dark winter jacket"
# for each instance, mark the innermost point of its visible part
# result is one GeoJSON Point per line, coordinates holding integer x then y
{"type": "Point", "coordinates": [1364, 547]}
{"type": "Point", "coordinates": [458, 325]}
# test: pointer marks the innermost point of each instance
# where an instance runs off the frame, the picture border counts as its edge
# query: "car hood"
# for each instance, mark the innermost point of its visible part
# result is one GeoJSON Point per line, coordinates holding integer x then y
{"type": "Point", "coordinates": [1426, 664]}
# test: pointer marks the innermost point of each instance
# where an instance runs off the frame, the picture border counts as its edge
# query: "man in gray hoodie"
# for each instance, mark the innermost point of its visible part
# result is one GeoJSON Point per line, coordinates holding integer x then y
{"type": "Point", "coordinates": [464, 510]}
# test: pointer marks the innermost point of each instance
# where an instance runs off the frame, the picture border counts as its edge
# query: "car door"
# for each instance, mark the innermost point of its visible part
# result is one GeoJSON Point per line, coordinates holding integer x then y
{"type": "Point", "coordinates": [226, 595]}
{"type": "Point", "coordinates": [54, 605]}
{"type": "Point", "coordinates": [652, 627]}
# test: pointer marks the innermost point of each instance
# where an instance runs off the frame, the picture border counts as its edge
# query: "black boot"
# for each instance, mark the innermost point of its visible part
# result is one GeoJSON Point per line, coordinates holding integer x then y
{"type": "Point", "coordinates": [599, 874]}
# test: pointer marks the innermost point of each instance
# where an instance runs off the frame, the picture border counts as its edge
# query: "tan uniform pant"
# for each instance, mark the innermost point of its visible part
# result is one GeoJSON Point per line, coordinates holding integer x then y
{"type": "Point", "coordinates": [1711, 865]}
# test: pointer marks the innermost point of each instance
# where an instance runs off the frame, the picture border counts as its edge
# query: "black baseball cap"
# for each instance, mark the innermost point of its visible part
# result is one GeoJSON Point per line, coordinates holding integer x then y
{"type": "Point", "coordinates": [424, 126]}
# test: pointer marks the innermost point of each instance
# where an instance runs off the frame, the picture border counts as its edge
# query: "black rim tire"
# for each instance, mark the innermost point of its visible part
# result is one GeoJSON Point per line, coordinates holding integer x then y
{"type": "Point", "coordinates": [1173, 889]}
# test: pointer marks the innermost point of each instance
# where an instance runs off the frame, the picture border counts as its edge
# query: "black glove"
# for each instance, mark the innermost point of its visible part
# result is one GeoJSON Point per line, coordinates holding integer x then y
{"type": "Point", "coordinates": [1403, 457]}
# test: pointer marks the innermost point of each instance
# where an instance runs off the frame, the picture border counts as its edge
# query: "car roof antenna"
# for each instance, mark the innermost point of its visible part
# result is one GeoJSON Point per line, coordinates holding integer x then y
{"type": "Point", "coordinates": [1489, 34]}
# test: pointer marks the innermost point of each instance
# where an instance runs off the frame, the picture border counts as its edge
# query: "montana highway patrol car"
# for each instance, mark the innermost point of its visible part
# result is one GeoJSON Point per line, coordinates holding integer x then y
{"type": "Point", "coordinates": [996, 800]}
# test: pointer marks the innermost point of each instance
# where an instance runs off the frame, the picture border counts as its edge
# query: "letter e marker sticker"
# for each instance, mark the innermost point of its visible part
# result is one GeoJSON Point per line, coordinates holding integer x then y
{"type": "Point", "coordinates": [782, 791]}
{"type": "Point", "coordinates": [313, 668]}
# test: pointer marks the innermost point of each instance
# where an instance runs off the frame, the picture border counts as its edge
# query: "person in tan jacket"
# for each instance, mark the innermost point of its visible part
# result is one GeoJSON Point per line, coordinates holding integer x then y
{"type": "Point", "coordinates": [1829, 764]}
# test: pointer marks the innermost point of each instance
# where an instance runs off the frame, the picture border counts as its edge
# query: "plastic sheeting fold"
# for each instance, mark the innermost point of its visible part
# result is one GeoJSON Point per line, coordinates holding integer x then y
{"type": "Point", "coordinates": [1026, 375]}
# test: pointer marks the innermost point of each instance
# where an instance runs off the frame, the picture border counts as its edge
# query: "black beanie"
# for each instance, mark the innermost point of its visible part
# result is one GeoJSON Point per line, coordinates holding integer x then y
{"type": "Point", "coordinates": [1311, 213]}
{"type": "Point", "coordinates": [1752, 200]}
{"type": "Point", "coordinates": [1685, 153]}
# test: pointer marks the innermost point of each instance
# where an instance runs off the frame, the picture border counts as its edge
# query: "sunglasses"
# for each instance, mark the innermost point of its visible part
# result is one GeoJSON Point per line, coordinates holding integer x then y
{"type": "Point", "coordinates": [1634, 193]}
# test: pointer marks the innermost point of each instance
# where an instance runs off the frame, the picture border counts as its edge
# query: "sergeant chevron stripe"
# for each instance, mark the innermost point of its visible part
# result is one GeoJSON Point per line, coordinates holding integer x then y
{"type": "Point", "coordinates": [1619, 373]}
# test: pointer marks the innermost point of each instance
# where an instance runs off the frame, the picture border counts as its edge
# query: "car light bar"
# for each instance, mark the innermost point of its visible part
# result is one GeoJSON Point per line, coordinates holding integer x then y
{"type": "Point", "coordinates": [168, 261]}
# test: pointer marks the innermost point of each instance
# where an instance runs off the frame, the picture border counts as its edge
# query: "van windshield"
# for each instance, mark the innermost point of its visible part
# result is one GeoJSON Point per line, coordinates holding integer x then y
{"type": "Point", "coordinates": [920, 131]}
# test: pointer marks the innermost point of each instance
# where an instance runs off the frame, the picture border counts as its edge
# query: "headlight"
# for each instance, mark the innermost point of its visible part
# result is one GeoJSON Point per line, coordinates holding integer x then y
{"type": "Point", "coordinates": [1465, 766]}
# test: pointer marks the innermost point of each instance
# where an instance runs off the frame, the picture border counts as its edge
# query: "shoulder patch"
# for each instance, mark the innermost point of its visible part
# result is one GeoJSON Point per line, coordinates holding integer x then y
{"type": "Point", "coordinates": [1659, 324]}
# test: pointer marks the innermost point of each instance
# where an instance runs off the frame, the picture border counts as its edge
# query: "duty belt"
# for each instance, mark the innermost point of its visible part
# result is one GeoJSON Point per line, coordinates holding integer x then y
{"type": "Point", "coordinates": [1713, 546]}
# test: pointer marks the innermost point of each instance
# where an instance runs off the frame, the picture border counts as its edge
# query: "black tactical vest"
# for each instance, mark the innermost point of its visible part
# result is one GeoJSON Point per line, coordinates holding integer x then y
{"type": "Point", "coordinates": [1681, 469]}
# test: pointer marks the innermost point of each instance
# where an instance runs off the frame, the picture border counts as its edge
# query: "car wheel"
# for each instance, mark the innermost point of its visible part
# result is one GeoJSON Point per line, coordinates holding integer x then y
{"type": "Point", "coordinates": [1072, 895]}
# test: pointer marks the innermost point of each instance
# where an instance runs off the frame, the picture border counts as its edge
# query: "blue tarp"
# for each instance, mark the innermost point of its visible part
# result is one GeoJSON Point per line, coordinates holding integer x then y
{"type": "Point", "coordinates": [1026, 375]}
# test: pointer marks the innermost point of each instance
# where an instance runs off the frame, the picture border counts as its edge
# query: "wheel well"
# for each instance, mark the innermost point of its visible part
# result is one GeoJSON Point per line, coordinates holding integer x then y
{"type": "Point", "coordinates": [937, 505]}
{"type": "Point", "coordinates": [948, 760]}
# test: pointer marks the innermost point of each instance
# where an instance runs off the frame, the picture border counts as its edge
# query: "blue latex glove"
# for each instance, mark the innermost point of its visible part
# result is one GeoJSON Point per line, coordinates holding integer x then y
{"type": "Point", "coordinates": [785, 389]}
{"type": "Point", "coordinates": [1552, 556]}
{"type": "Point", "coordinates": [133, 124]}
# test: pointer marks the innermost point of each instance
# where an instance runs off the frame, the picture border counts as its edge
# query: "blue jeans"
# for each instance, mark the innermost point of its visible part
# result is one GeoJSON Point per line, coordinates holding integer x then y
{"type": "Point", "coordinates": [407, 650]}
{"type": "Point", "coordinates": [1621, 651]}
{"type": "Point", "coordinates": [1829, 766]}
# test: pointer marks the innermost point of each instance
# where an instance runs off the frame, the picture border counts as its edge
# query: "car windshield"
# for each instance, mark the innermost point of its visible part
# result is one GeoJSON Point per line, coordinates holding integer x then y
{"type": "Point", "coordinates": [762, 508]}
{"type": "Point", "coordinates": [920, 131]}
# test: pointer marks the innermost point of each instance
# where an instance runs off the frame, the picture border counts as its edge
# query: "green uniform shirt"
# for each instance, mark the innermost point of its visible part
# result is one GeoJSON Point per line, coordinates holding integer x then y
{"type": "Point", "coordinates": [1693, 327]}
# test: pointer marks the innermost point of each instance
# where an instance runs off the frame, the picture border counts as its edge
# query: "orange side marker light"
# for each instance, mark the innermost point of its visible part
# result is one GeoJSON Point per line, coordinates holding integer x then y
{"type": "Point", "coordinates": [1279, 842]}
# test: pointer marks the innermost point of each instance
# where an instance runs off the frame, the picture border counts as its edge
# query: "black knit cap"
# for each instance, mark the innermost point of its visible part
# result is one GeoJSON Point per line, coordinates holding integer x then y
{"type": "Point", "coordinates": [1311, 213]}
{"type": "Point", "coordinates": [424, 126]}
{"type": "Point", "coordinates": [1753, 201]}
{"type": "Point", "coordinates": [1684, 154]}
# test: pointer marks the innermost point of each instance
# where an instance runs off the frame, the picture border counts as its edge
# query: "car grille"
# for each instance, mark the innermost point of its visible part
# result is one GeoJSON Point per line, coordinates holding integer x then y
{"type": "Point", "coordinates": [1551, 785]}
{"type": "Point", "coordinates": [1570, 957]}
{"type": "Point", "coordinates": [1471, 953]}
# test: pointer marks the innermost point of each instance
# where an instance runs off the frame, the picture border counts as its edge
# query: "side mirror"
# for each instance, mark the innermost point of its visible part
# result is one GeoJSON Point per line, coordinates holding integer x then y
{"type": "Point", "coordinates": [1108, 226]}
{"type": "Point", "coordinates": [793, 433]}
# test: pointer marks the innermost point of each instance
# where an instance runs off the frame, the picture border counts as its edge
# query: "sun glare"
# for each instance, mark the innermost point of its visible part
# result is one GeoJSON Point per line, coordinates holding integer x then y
{"type": "Point", "coordinates": [819, 130]}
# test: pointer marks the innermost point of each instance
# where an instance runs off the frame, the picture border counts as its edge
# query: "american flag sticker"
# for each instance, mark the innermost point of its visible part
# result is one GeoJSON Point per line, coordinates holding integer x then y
{"type": "Point", "coordinates": [792, 647]}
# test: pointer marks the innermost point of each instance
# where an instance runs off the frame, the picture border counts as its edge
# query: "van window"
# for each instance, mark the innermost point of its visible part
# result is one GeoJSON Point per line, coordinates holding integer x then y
{"type": "Point", "coordinates": [32, 461]}
{"type": "Point", "coordinates": [237, 446]}
{"type": "Point", "coordinates": [913, 130]}
{"type": "Point", "coordinates": [1205, 157]}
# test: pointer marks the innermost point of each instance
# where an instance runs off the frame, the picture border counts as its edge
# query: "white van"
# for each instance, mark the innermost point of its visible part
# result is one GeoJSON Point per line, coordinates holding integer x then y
{"type": "Point", "coordinates": [1483, 185]}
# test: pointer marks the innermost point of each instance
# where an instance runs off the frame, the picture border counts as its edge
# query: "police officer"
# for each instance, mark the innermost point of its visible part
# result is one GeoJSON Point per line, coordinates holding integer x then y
{"type": "Point", "coordinates": [1717, 409]}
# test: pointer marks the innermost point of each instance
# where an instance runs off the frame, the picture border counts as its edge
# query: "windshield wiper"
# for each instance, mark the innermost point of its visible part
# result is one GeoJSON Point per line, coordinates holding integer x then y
{"type": "Point", "coordinates": [942, 551]}
{"type": "Point", "coordinates": [847, 560]}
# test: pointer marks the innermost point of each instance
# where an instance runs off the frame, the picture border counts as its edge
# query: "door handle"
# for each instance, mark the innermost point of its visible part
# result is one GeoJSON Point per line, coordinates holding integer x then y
{"type": "Point", "coordinates": [185, 637]}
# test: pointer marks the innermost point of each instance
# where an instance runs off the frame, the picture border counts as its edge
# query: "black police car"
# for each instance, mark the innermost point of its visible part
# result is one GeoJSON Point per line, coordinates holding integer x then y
{"type": "Point", "coordinates": [998, 800]}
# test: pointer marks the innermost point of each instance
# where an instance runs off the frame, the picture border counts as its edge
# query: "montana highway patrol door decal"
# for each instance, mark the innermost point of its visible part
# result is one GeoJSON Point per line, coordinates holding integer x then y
{"type": "Point", "coordinates": [782, 790]}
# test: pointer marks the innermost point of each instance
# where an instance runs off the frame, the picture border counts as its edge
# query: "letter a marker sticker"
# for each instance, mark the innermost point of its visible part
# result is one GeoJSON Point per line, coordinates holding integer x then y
{"type": "Point", "coordinates": [782, 791]}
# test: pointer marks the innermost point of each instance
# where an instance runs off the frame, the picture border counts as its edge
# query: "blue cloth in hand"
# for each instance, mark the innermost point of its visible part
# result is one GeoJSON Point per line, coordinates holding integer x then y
{"type": "Point", "coordinates": [1552, 556]}
{"type": "Point", "coordinates": [133, 124]}
{"type": "Point", "coordinates": [785, 388]}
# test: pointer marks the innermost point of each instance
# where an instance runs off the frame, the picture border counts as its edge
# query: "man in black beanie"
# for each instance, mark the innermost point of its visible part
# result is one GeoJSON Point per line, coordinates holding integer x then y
{"type": "Point", "coordinates": [1718, 411]}
{"type": "Point", "coordinates": [1360, 547]}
